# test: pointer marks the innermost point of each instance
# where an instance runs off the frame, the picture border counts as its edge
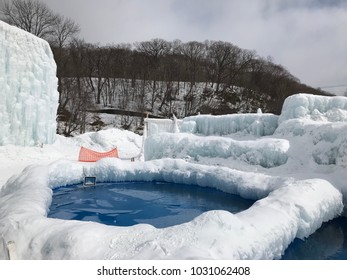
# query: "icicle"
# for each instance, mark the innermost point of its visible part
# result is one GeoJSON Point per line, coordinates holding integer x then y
{"type": "Point", "coordinates": [175, 125]}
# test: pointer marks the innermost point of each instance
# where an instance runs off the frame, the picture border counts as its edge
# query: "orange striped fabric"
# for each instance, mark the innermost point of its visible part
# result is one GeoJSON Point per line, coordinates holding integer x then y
{"type": "Point", "coordinates": [87, 155]}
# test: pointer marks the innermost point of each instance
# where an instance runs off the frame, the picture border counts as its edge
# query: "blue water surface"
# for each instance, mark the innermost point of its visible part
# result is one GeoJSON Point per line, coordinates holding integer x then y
{"type": "Point", "coordinates": [328, 243]}
{"type": "Point", "coordinates": [156, 203]}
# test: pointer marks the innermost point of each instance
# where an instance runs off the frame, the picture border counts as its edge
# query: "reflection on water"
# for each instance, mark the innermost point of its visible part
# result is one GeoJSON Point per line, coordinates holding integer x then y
{"type": "Point", "coordinates": [126, 204]}
{"type": "Point", "coordinates": [327, 243]}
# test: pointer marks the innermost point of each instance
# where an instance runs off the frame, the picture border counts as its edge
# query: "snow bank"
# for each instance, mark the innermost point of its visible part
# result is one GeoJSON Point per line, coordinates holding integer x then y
{"type": "Point", "coordinates": [316, 108]}
{"type": "Point", "coordinates": [267, 152]}
{"type": "Point", "coordinates": [255, 124]}
{"type": "Point", "coordinates": [17, 158]}
{"type": "Point", "coordinates": [292, 209]}
{"type": "Point", "coordinates": [28, 89]}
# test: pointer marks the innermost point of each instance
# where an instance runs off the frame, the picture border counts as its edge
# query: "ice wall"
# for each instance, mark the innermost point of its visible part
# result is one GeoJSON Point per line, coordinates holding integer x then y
{"type": "Point", "coordinates": [28, 89]}
{"type": "Point", "coordinates": [320, 124]}
{"type": "Point", "coordinates": [155, 126]}
{"type": "Point", "coordinates": [256, 124]}
{"type": "Point", "coordinates": [267, 152]}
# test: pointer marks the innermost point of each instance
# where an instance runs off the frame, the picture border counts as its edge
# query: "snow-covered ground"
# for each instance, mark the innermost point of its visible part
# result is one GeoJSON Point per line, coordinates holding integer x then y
{"type": "Point", "coordinates": [297, 174]}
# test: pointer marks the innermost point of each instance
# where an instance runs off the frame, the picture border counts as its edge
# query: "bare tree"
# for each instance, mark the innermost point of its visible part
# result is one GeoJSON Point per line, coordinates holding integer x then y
{"type": "Point", "coordinates": [29, 15]}
{"type": "Point", "coordinates": [63, 32]}
{"type": "Point", "coordinates": [99, 71]}
{"type": "Point", "coordinates": [221, 55]}
{"type": "Point", "coordinates": [194, 54]}
{"type": "Point", "coordinates": [154, 50]}
{"type": "Point", "coordinates": [75, 98]}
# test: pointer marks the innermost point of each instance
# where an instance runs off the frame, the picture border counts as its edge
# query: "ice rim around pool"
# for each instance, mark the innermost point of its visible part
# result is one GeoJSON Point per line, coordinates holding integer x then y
{"type": "Point", "coordinates": [285, 209]}
{"type": "Point", "coordinates": [159, 204]}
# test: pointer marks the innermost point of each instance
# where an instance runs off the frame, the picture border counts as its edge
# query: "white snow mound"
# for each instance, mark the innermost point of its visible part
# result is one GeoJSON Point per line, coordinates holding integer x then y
{"type": "Point", "coordinates": [316, 108]}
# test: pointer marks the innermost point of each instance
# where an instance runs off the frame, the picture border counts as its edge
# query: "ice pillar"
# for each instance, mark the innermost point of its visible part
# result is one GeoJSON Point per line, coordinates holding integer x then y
{"type": "Point", "coordinates": [28, 89]}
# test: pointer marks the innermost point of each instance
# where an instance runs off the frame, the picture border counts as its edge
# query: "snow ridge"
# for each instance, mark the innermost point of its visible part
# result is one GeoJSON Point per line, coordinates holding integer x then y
{"type": "Point", "coordinates": [248, 124]}
{"type": "Point", "coordinates": [266, 152]}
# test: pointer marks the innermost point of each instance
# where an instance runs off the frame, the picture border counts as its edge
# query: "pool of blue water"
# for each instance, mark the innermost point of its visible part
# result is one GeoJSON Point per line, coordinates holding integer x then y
{"type": "Point", "coordinates": [125, 204]}
{"type": "Point", "coordinates": [328, 243]}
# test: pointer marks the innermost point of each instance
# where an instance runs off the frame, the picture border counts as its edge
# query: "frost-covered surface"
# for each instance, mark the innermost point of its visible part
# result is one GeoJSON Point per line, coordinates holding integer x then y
{"type": "Point", "coordinates": [264, 152]}
{"type": "Point", "coordinates": [293, 198]}
{"type": "Point", "coordinates": [28, 89]}
{"type": "Point", "coordinates": [294, 209]}
{"type": "Point", "coordinates": [326, 143]}
{"type": "Point", "coordinates": [250, 185]}
{"type": "Point", "coordinates": [322, 109]}
{"type": "Point", "coordinates": [247, 124]}
{"type": "Point", "coordinates": [155, 126]}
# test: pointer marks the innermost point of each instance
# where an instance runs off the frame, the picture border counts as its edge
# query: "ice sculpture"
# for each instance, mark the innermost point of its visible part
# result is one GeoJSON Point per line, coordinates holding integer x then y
{"type": "Point", "coordinates": [28, 89]}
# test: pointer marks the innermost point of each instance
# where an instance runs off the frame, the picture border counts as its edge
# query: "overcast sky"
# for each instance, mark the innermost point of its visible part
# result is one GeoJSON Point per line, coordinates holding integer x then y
{"type": "Point", "coordinates": [308, 37]}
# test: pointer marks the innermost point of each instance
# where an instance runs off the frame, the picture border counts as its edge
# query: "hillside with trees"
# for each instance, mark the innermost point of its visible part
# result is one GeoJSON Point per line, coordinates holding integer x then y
{"type": "Point", "coordinates": [157, 76]}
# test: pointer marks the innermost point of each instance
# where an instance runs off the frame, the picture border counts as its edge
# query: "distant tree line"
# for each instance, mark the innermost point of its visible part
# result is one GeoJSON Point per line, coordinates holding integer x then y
{"type": "Point", "coordinates": [149, 74]}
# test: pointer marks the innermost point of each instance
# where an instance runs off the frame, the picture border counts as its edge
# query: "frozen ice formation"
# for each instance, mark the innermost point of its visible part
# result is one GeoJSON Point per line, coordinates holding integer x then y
{"type": "Point", "coordinates": [258, 124]}
{"type": "Point", "coordinates": [28, 89]}
{"type": "Point", "coordinates": [266, 152]}
{"type": "Point", "coordinates": [316, 108]}
{"type": "Point", "coordinates": [264, 231]}
{"type": "Point", "coordinates": [262, 139]}
{"type": "Point", "coordinates": [155, 126]}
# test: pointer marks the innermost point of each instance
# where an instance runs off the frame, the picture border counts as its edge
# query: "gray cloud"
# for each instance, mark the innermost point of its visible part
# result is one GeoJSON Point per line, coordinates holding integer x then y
{"type": "Point", "coordinates": [308, 37]}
